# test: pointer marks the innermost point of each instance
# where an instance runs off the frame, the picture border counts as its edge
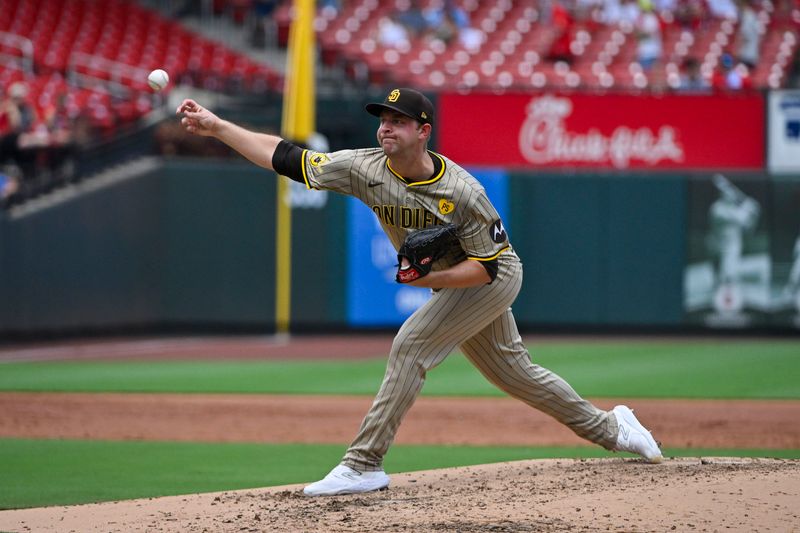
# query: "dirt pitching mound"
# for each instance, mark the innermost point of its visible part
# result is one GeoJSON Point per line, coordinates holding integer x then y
{"type": "Point", "coordinates": [545, 495]}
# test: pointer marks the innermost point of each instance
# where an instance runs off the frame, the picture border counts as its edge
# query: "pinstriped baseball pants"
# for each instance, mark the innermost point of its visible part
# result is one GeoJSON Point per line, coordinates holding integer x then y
{"type": "Point", "coordinates": [479, 320]}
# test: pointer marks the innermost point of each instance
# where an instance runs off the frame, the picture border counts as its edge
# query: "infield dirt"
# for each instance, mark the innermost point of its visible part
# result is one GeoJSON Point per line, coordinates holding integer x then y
{"type": "Point", "coordinates": [708, 494]}
{"type": "Point", "coordinates": [545, 495]}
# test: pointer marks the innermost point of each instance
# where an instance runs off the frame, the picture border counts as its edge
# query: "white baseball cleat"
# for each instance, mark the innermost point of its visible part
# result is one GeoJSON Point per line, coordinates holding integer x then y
{"type": "Point", "coordinates": [633, 436]}
{"type": "Point", "coordinates": [345, 480]}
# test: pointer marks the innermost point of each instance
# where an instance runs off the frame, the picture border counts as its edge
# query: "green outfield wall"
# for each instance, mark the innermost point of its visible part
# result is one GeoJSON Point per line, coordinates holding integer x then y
{"type": "Point", "coordinates": [599, 250]}
{"type": "Point", "coordinates": [164, 248]}
{"type": "Point", "coordinates": [190, 244]}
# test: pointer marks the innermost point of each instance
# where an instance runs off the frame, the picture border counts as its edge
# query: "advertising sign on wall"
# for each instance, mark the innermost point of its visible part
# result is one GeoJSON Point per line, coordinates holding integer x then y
{"type": "Point", "coordinates": [609, 131]}
{"type": "Point", "coordinates": [784, 131]}
{"type": "Point", "coordinates": [374, 299]}
{"type": "Point", "coordinates": [785, 254]}
{"type": "Point", "coordinates": [727, 278]}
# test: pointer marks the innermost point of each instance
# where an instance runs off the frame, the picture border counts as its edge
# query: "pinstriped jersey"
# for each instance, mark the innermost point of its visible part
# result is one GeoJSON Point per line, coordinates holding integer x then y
{"type": "Point", "coordinates": [401, 206]}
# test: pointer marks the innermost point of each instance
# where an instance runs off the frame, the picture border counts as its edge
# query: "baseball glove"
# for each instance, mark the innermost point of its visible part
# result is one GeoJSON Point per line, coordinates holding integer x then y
{"type": "Point", "coordinates": [420, 249]}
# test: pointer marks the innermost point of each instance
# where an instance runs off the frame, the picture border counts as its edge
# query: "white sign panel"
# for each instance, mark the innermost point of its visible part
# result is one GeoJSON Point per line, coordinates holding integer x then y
{"type": "Point", "coordinates": [784, 131]}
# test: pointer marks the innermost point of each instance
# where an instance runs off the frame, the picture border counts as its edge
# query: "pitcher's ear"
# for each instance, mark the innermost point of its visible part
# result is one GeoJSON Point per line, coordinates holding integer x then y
{"type": "Point", "coordinates": [426, 129]}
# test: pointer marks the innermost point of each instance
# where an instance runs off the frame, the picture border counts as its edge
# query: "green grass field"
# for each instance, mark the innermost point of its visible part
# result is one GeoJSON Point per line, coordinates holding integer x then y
{"type": "Point", "coordinates": [63, 472]}
{"type": "Point", "coordinates": [51, 472]}
{"type": "Point", "coordinates": [683, 369]}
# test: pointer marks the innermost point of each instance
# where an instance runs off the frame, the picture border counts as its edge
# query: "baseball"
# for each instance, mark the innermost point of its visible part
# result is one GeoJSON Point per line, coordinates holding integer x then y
{"type": "Point", "coordinates": [158, 79]}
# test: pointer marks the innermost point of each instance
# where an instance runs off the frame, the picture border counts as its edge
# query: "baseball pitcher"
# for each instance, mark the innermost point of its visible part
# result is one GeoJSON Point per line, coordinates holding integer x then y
{"type": "Point", "coordinates": [450, 239]}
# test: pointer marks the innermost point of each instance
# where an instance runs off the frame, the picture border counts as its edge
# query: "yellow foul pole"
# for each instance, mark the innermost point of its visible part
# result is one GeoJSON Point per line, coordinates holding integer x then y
{"type": "Point", "coordinates": [299, 112]}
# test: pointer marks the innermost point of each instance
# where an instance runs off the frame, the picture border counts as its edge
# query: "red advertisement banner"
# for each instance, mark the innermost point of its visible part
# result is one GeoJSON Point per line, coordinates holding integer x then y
{"type": "Point", "coordinates": [603, 131]}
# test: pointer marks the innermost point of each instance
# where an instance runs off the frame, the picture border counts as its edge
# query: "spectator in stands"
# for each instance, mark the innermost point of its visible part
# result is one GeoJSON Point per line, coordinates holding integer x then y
{"type": "Point", "coordinates": [335, 6]}
{"type": "Point", "coordinates": [264, 28]}
{"type": "Point", "coordinates": [446, 21]}
{"type": "Point", "coordinates": [691, 14]}
{"type": "Point", "coordinates": [238, 9]}
{"type": "Point", "coordinates": [20, 139]}
{"type": "Point", "coordinates": [624, 12]}
{"type": "Point", "coordinates": [391, 33]}
{"type": "Point", "coordinates": [723, 9]}
{"type": "Point", "coordinates": [7, 135]}
{"type": "Point", "coordinates": [436, 15]}
{"type": "Point", "coordinates": [449, 21]}
{"type": "Point", "coordinates": [729, 77]}
{"type": "Point", "coordinates": [61, 122]}
{"type": "Point", "coordinates": [648, 35]}
{"type": "Point", "coordinates": [471, 38]}
{"type": "Point", "coordinates": [692, 79]}
{"type": "Point", "coordinates": [20, 114]}
{"type": "Point", "coordinates": [446, 30]}
{"type": "Point", "coordinates": [564, 24]}
{"type": "Point", "coordinates": [749, 34]}
{"type": "Point", "coordinates": [665, 7]}
{"type": "Point", "coordinates": [413, 19]}
{"type": "Point", "coordinates": [5, 119]}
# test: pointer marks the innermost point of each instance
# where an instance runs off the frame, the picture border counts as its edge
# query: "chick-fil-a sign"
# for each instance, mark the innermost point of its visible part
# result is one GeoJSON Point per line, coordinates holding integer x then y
{"type": "Point", "coordinates": [608, 131]}
{"type": "Point", "coordinates": [544, 139]}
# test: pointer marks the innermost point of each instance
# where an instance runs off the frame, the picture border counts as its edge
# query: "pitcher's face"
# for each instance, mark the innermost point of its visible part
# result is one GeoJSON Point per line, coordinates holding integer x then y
{"type": "Point", "coordinates": [398, 133]}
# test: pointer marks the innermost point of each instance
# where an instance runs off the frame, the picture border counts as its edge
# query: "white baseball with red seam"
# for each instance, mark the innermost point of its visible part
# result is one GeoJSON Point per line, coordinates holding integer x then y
{"type": "Point", "coordinates": [158, 79]}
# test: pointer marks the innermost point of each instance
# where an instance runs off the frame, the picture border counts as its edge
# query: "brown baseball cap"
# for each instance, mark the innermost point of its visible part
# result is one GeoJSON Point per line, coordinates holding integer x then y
{"type": "Point", "coordinates": [409, 102]}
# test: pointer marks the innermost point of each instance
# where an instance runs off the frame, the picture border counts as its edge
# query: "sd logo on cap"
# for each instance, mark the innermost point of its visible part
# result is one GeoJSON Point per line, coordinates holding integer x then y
{"type": "Point", "coordinates": [409, 102]}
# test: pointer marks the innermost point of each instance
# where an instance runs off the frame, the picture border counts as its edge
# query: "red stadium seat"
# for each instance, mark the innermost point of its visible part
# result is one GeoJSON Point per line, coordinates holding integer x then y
{"type": "Point", "coordinates": [513, 29]}
{"type": "Point", "coordinates": [123, 33]}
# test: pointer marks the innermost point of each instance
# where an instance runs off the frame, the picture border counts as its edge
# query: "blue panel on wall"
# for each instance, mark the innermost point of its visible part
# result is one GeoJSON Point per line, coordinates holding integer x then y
{"type": "Point", "coordinates": [373, 297]}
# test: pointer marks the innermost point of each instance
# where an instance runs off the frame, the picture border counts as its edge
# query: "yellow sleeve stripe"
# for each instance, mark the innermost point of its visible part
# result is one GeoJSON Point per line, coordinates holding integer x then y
{"type": "Point", "coordinates": [495, 256]}
{"type": "Point", "coordinates": [305, 172]}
